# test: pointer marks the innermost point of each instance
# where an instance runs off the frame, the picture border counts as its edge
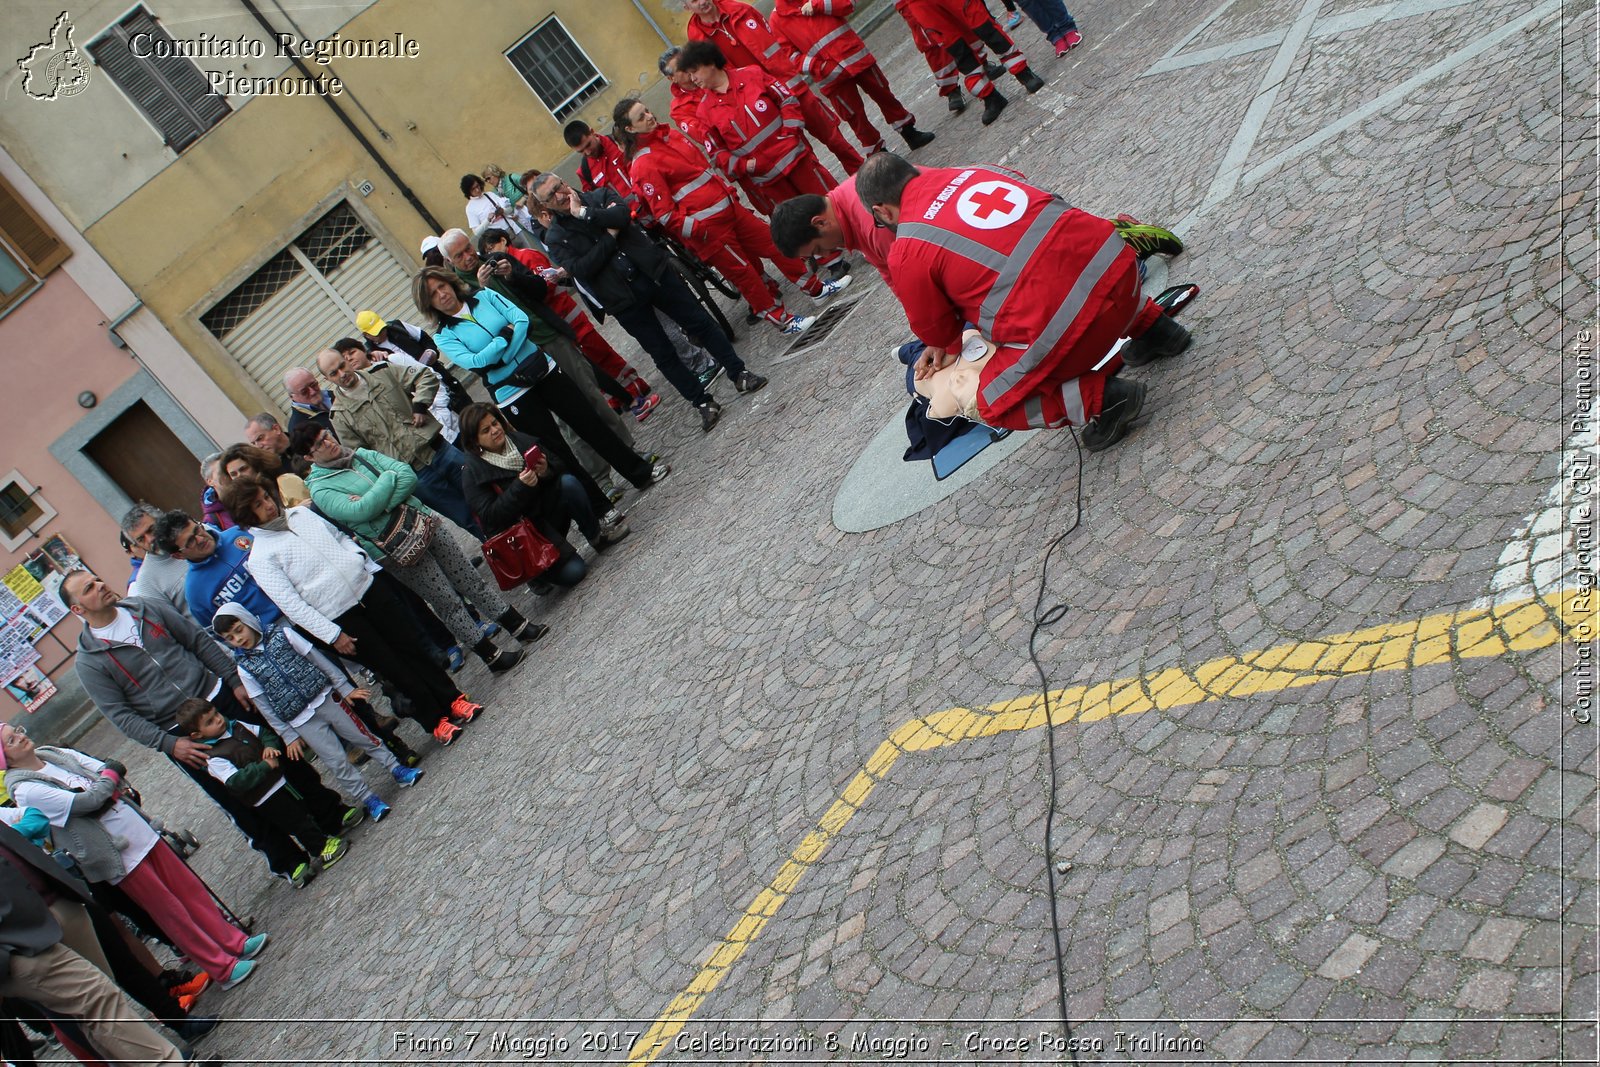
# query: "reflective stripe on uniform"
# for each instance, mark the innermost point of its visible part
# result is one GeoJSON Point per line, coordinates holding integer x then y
{"type": "Point", "coordinates": [782, 165]}
{"type": "Point", "coordinates": [705, 213]}
{"type": "Point", "coordinates": [1016, 263]}
{"type": "Point", "coordinates": [1077, 299]}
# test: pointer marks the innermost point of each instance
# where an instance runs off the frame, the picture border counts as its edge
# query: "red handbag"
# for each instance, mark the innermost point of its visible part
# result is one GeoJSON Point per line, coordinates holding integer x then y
{"type": "Point", "coordinates": [519, 554]}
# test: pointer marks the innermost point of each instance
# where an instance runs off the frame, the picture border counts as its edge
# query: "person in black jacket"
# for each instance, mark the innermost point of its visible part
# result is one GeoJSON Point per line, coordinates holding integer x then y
{"type": "Point", "coordinates": [502, 489]}
{"type": "Point", "coordinates": [620, 270]}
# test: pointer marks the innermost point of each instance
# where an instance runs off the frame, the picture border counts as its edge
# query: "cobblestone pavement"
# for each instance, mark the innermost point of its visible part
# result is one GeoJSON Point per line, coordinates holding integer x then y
{"type": "Point", "coordinates": [695, 807]}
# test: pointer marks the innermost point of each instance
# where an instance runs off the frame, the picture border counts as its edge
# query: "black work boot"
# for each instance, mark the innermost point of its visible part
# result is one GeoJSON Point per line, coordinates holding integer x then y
{"type": "Point", "coordinates": [1121, 404]}
{"type": "Point", "coordinates": [498, 660]}
{"type": "Point", "coordinates": [993, 70]}
{"type": "Point", "coordinates": [916, 138]}
{"type": "Point", "coordinates": [1164, 338]}
{"type": "Point", "coordinates": [1030, 81]}
{"type": "Point", "coordinates": [957, 103]}
{"type": "Point", "coordinates": [993, 104]}
{"type": "Point", "coordinates": [523, 629]}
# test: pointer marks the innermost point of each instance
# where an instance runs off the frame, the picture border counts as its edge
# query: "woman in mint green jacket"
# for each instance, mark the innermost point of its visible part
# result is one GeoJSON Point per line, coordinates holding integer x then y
{"type": "Point", "coordinates": [361, 491]}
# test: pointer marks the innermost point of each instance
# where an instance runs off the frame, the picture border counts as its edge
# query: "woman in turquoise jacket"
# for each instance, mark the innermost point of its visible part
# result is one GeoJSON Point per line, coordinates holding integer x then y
{"type": "Point", "coordinates": [361, 492]}
{"type": "Point", "coordinates": [485, 332]}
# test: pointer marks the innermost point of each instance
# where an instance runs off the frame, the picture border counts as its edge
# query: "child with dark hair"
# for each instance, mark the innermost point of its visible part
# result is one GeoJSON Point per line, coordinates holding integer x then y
{"type": "Point", "coordinates": [297, 690]}
{"type": "Point", "coordinates": [249, 761]}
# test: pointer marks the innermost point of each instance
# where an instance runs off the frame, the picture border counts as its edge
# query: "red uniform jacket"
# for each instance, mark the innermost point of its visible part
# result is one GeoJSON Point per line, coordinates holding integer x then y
{"type": "Point", "coordinates": [830, 49]}
{"type": "Point", "coordinates": [755, 128]}
{"type": "Point", "coordinates": [945, 21]}
{"type": "Point", "coordinates": [611, 169]}
{"type": "Point", "coordinates": [556, 298]}
{"type": "Point", "coordinates": [1053, 287]}
{"type": "Point", "coordinates": [684, 110]}
{"type": "Point", "coordinates": [676, 182]}
{"type": "Point", "coordinates": [747, 41]}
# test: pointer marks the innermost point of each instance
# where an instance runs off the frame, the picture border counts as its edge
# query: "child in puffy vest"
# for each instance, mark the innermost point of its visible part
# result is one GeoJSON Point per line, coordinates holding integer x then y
{"type": "Point", "coordinates": [298, 689]}
{"type": "Point", "coordinates": [249, 760]}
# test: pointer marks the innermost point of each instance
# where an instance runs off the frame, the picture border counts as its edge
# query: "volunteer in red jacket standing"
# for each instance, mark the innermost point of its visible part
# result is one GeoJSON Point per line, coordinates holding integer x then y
{"type": "Point", "coordinates": [603, 165]}
{"type": "Point", "coordinates": [697, 204]}
{"type": "Point", "coordinates": [839, 64]}
{"type": "Point", "coordinates": [752, 126]}
{"type": "Point", "coordinates": [1053, 287]}
{"type": "Point", "coordinates": [962, 28]}
{"type": "Point", "coordinates": [747, 41]}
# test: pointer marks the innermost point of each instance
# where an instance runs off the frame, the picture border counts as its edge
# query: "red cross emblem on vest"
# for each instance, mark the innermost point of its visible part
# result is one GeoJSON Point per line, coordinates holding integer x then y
{"type": "Point", "coordinates": [989, 205]}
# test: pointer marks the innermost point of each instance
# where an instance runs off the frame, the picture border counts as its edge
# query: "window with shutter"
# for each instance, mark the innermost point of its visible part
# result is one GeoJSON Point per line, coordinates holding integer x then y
{"type": "Point", "coordinates": [35, 244]}
{"type": "Point", "coordinates": [171, 91]}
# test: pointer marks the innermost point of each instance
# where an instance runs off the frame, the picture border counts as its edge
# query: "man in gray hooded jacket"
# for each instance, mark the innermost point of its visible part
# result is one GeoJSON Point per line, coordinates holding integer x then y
{"type": "Point", "coordinates": [138, 659]}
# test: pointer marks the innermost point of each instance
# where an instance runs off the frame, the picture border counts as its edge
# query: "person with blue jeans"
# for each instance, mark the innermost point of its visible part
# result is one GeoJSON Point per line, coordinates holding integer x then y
{"type": "Point", "coordinates": [1054, 21]}
{"type": "Point", "coordinates": [502, 489]}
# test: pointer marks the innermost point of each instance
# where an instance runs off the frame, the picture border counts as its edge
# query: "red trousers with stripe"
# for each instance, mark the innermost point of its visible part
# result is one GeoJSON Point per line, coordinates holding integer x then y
{"type": "Point", "coordinates": [735, 242]}
{"type": "Point", "coordinates": [845, 95]}
{"type": "Point", "coordinates": [825, 126]}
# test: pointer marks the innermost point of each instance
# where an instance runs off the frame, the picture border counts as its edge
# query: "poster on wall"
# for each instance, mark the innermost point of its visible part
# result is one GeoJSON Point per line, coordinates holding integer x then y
{"type": "Point", "coordinates": [16, 648]}
{"type": "Point", "coordinates": [31, 688]}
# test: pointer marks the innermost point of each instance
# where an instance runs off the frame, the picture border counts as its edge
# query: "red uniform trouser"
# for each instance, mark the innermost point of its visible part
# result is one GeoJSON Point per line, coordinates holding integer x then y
{"type": "Point", "coordinates": [735, 242]}
{"type": "Point", "coordinates": [825, 126]}
{"type": "Point", "coordinates": [968, 50]}
{"type": "Point", "coordinates": [597, 350]}
{"type": "Point", "coordinates": [1064, 388]}
{"type": "Point", "coordinates": [806, 176]}
{"type": "Point", "coordinates": [845, 95]}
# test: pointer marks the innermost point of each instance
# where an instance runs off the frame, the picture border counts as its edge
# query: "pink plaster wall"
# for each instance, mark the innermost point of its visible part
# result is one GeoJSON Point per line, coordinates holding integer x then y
{"type": "Point", "coordinates": [53, 346]}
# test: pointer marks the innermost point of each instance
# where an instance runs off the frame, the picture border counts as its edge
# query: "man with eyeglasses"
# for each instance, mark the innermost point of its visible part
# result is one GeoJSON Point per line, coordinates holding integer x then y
{"type": "Point", "coordinates": [217, 573]}
{"type": "Point", "coordinates": [308, 401]}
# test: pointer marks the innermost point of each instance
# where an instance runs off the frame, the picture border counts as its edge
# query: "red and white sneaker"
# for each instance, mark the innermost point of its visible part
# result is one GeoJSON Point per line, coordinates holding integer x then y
{"type": "Point", "coordinates": [644, 405]}
{"type": "Point", "coordinates": [463, 710]}
{"type": "Point", "coordinates": [1069, 40]}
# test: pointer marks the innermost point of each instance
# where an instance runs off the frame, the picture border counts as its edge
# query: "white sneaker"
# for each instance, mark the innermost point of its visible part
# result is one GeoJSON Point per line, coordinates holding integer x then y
{"type": "Point", "coordinates": [833, 288]}
{"type": "Point", "coordinates": [798, 324]}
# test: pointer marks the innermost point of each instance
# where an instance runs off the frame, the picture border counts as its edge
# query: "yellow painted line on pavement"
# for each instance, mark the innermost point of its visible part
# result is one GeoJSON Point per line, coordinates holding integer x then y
{"type": "Point", "coordinates": [1520, 626]}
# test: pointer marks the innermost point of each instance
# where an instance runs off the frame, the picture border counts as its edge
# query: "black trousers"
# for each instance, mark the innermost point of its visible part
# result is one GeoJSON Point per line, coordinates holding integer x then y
{"type": "Point", "coordinates": [673, 297]}
{"type": "Point", "coordinates": [556, 395]}
{"type": "Point", "coordinates": [242, 814]}
{"type": "Point", "coordinates": [295, 818]}
{"type": "Point", "coordinates": [386, 642]}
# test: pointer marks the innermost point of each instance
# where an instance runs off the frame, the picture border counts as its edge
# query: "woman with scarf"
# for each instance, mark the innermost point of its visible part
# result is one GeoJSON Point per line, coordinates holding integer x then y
{"type": "Point", "coordinates": [502, 489]}
{"type": "Point", "coordinates": [330, 588]}
{"type": "Point", "coordinates": [363, 491]}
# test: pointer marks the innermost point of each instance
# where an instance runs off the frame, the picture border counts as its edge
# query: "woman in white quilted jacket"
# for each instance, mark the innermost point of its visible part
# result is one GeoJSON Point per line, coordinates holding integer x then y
{"type": "Point", "coordinates": [333, 591]}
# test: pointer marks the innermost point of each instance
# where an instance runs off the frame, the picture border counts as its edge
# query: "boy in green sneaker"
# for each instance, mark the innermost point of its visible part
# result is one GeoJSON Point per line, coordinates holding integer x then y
{"type": "Point", "coordinates": [249, 760]}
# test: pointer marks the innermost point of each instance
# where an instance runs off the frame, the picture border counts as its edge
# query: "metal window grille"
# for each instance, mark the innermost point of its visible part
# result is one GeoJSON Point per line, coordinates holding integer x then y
{"type": "Point", "coordinates": [556, 69]}
{"type": "Point", "coordinates": [17, 509]}
{"type": "Point", "coordinates": [329, 242]}
{"type": "Point", "coordinates": [170, 90]}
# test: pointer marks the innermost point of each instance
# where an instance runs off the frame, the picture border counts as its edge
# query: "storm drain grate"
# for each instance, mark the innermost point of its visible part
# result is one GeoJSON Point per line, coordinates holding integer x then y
{"type": "Point", "coordinates": [820, 330]}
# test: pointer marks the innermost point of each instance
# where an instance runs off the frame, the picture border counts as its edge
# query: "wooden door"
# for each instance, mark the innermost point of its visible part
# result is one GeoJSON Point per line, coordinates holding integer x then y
{"type": "Point", "coordinates": [148, 461]}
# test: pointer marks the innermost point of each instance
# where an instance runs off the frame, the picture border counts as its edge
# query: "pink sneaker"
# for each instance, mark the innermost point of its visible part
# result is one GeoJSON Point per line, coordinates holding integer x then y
{"type": "Point", "coordinates": [644, 405]}
{"type": "Point", "coordinates": [1068, 42]}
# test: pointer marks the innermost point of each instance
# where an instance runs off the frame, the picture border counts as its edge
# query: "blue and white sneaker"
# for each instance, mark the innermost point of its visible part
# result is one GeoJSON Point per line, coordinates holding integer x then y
{"type": "Point", "coordinates": [833, 288]}
{"type": "Point", "coordinates": [376, 808]}
{"type": "Point", "coordinates": [488, 628]}
{"type": "Point", "coordinates": [407, 776]}
{"type": "Point", "coordinates": [456, 659]}
{"type": "Point", "coordinates": [253, 946]}
{"type": "Point", "coordinates": [799, 324]}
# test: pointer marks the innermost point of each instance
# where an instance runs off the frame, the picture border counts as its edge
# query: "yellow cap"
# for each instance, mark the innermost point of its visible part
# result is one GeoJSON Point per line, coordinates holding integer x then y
{"type": "Point", "coordinates": [369, 323]}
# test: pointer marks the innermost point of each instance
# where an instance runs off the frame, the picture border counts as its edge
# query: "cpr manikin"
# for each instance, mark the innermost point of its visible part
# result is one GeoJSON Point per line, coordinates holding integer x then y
{"type": "Point", "coordinates": [953, 391]}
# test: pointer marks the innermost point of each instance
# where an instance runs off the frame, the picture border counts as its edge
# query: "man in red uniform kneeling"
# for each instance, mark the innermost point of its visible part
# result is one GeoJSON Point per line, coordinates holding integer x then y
{"type": "Point", "coordinates": [1052, 287]}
